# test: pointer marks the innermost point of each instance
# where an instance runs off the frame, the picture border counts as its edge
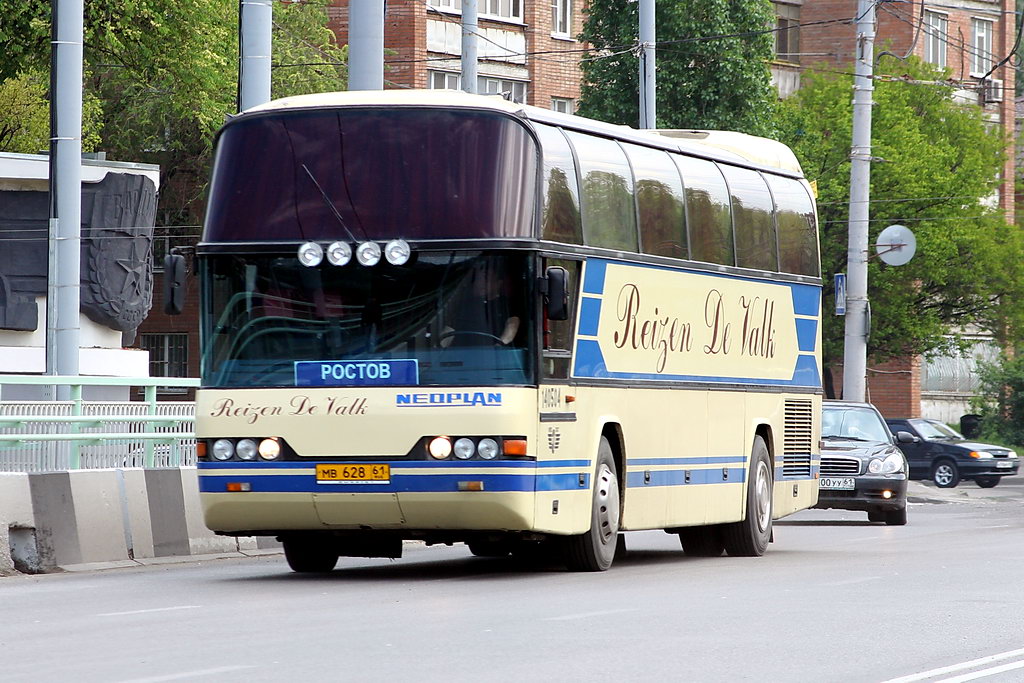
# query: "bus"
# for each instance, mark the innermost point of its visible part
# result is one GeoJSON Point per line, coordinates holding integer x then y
{"type": "Point", "coordinates": [440, 317]}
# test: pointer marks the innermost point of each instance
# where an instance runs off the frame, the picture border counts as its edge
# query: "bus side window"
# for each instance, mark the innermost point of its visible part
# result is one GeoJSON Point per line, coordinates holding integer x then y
{"type": "Point", "coordinates": [560, 220]}
{"type": "Point", "coordinates": [756, 246]}
{"type": "Point", "coordinates": [708, 213]}
{"type": "Point", "coordinates": [798, 240]}
{"type": "Point", "coordinates": [558, 334]}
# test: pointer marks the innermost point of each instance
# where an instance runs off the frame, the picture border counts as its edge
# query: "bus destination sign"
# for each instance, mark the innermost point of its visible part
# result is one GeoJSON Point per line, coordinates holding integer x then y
{"type": "Point", "coordinates": [356, 373]}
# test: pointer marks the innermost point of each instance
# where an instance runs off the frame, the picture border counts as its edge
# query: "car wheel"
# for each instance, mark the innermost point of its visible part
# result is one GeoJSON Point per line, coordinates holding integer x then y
{"type": "Point", "coordinates": [594, 550]}
{"type": "Point", "coordinates": [987, 482]}
{"type": "Point", "coordinates": [896, 517]}
{"type": "Point", "coordinates": [309, 554]}
{"type": "Point", "coordinates": [750, 537]}
{"type": "Point", "coordinates": [945, 474]}
{"type": "Point", "coordinates": [702, 541]}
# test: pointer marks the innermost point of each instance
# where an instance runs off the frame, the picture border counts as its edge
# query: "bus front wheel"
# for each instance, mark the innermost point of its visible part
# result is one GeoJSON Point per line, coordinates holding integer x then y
{"type": "Point", "coordinates": [749, 537]}
{"type": "Point", "coordinates": [309, 554]}
{"type": "Point", "coordinates": [594, 550]}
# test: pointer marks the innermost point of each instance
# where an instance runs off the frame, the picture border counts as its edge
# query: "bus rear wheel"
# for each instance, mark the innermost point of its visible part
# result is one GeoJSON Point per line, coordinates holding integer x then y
{"type": "Point", "coordinates": [309, 554]}
{"type": "Point", "coordinates": [749, 538]}
{"type": "Point", "coordinates": [594, 550]}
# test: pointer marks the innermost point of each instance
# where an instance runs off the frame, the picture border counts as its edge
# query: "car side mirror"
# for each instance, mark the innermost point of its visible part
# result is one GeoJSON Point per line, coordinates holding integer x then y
{"type": "Point", "coordinates": [556, 296]}
{"type": "Point", "coordinates": [906, 437]}
{"type": "Point", "coordinates": [174, 284]}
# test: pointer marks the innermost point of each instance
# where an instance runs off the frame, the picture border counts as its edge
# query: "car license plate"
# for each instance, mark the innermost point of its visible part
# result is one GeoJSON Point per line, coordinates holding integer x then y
{"type": "Point", "coordinates": [353, 474]}
{"type": "Point", "coordinates": [837, 483]}
{"type": "Point", "coordinates": [1004, 465]}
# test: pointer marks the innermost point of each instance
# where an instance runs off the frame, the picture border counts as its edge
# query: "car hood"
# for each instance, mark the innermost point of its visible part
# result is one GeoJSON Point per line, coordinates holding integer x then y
{"type": "Point", "coordinates": [975, 446]}
{"type": "Point", "coordinates": [857, 449]}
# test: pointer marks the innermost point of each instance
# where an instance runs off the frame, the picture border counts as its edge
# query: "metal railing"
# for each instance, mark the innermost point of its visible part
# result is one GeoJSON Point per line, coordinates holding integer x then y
{"type": "Point", "coordinates": [46, 436]}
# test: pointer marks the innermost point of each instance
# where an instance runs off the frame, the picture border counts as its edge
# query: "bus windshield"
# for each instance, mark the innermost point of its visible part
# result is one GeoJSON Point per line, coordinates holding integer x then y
{"type": "Point", "coordinates": [414, 173]}
{"type": "Point", "coordinates": [461, 318]}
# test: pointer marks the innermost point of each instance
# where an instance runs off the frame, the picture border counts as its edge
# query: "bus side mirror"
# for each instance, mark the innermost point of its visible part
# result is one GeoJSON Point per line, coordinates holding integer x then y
{"type": "Point", "coordinates": [174, 284]}
{"type": "Point", "coordinates": [556, 299]}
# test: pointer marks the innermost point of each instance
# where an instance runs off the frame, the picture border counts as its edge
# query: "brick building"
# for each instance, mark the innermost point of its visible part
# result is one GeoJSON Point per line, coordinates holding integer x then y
{"type": "Point", "coordinates": [526, 48]}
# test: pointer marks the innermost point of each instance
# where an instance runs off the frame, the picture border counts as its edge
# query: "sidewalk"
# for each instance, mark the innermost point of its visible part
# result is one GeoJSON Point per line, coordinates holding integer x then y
{"type": "Point", "coordinates": [965, 492]}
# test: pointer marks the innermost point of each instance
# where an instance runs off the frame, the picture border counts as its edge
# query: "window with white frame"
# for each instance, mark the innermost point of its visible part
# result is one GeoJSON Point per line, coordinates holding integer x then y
{"type": "Point", "coordinates": [561, 18]}
{"type": "Point", "coordinates": [485, 85]}
{"type": "Point", "coordinates": [981, 46]}
{"type": "Point", "coordinates": [494, 9]}
{"type": "Point", "coordinates": [936, 27]}
{"type": "Point", "coordinates": [563, 104]}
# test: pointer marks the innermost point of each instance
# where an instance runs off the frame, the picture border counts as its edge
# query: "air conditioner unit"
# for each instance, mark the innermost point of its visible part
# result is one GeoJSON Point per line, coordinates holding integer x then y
{"type": "Point", "coordinates": [992, 90]}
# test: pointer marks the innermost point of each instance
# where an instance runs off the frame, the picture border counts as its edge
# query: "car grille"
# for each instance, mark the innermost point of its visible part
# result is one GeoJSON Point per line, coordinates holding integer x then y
{"type": "Point", "coordinates": [999, 453]}
{"type": "Point", "coordinates": [833, 467]}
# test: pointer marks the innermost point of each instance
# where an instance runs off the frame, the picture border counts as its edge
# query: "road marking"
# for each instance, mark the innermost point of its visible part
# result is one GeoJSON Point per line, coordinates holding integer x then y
{"type": "Point", "coordinates": [991, 671]}
{"type": "Point", "coordinates": [957, 667]}
{"type": "Point", "coordinates": [587, 615]}
{"type": "Point", "coordinates": [190, 674]}
{"type": "Point", "coordinates": [148, 611]}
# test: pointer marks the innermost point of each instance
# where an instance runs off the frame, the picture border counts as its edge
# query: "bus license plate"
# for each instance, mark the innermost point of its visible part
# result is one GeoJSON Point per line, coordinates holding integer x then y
{"type": "Point", "coordinates": [353, 474]}
{"type": "Point", "coordinates": [837, 483]}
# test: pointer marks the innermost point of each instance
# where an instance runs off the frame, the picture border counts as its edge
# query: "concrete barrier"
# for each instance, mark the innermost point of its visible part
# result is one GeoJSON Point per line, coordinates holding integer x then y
{"type": "Point", "coordinates": [86, 518]}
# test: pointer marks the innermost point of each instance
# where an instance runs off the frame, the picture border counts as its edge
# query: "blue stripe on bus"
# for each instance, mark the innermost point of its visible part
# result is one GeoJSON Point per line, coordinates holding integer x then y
{"type": "Point", "coordinates": [806, 299]}
{"type": "Point", "coordinates": [414, 464]}
{"type": "Point", "coordinates": [806, 334]}
{"type": "Point", "coordinates": [593, 278]}
{"type": "Point", "coordinates": [431, 483]}
{"type": "Point", "coordinates": [697, 460]}
{"type": "Point", "coordinates": [590, 314]}
{"type": "Point", "coordinates": [678, 477]}
{"type": "Point", "coordinates": [589, 360]}
{"type": "Point", "coordinates": [806, 371]}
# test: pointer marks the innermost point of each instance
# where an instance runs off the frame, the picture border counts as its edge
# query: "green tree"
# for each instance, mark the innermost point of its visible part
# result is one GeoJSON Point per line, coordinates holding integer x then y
{"type": "Point", "coordinates": [938, 167]}
{"type": "Point", "coordinates": [25, 116]}
{"type": "Point", "coordinates": [712, 63]}
{"type": "Point", "coordinates": [1000, 399]}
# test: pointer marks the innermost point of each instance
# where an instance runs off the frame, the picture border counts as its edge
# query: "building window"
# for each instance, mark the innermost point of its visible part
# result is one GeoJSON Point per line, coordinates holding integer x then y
{"type": "Point", "coordinates": [563, 104]}
{"type": "Point", "coordinates": [936, 27]}
{"type": "Point", "coordinates": [494, 9]}
{"type": "Point", "coordinates": [787, 32]}
{"type": "Point", "coordinates": [485, 85]}
{"type": "Point", "coordinates": [561, 17]}
{"type": "Point", "coordinates": [168, 354]}
{"type": "Point", "coordinates": [981, 46]}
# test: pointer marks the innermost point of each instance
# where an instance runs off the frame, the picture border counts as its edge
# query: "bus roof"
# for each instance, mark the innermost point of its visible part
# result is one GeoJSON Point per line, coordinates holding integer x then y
{"type": "Point", "coordinates": [737, 148]}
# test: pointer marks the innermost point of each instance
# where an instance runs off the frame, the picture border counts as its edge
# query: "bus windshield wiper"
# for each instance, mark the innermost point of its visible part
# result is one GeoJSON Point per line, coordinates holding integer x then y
{"type": "Point", "coordinates": [330, 204]}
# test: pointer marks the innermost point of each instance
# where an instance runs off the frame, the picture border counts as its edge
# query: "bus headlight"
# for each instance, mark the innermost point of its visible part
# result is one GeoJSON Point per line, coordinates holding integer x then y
{"type": "Point", "coordinates": [440, 447]}
{"type": "Point", "coordinates": [397, 252]}
{"type": "Point", "coordinates": [339, 253]}
{"type": "Point", "coordinates": [270, 448]}
{"type": "Point", "coordinates": [223, 449]}
{"type": "Point", "coordinates": [464, 449]}
{"type": "Point", "coordinates": [246, 449]}
{"type": "Point", "coordinates": [368, 254]}
{"type": "Point", "coordinates": [311, 254]}
{"type": "Point", "coordinates": [488, 449]}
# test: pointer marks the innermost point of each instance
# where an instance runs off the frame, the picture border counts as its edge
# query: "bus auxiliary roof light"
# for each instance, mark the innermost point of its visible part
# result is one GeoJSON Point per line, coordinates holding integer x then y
{"type": "Point", "coordinates": [397, 252]}
{"type": "Point", "coordinates": [368, 254]}
{"type": "Point", "coordinates": [339, 253]}
{"type": "Point", "coordinates": [311, 254]}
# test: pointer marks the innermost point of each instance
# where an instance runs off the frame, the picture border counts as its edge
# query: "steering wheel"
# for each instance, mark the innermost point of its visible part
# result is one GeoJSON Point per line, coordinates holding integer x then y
{"type": "Point", "coordinates": [452, 333]}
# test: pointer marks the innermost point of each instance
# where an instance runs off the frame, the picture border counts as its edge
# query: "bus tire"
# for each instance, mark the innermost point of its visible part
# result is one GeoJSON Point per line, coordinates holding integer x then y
{"type": "Point", "coordinates": [309, 554]}
{"type": "Point", "coordinates": [750, 537]}
{"type": "Point", "coordinates": [702, 541]}
{"type": "Point", "coordinates": [594, 550]}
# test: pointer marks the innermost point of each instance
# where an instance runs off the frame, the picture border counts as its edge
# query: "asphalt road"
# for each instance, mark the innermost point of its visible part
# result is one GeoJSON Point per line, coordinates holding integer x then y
{"type": "Point", "coordinates": [834, 599]}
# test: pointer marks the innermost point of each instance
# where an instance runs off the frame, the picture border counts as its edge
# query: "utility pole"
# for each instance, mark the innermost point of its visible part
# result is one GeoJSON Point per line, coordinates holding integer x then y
{"type": "Point", "coordinates": [469, 57]}
{"type": "Point", "coordinates": [855, 349]}
{"type": "Point", "coordinates": [647, 75]}
{"type": "Point", "coordinates": [366, 44]}
{"type": "Point", "coordinates": [63, 300]}
{"type": "Point", "coordinates": [254, 50]}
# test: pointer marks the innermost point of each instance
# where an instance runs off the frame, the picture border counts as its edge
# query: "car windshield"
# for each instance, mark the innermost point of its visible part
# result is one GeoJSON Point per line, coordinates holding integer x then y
{"type": "Point", "coordinates": [848, 422]}
{"type": "Point", "coordinates": [936, 431]}
{"type": "Point", "coordinates": [453, 318]}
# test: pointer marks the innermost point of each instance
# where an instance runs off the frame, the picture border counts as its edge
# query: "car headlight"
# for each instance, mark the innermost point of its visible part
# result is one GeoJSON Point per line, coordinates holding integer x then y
{"type": "Point", "coordinates": [981, 455]}
{"type": "Point", "coordinates": [891, 464]}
